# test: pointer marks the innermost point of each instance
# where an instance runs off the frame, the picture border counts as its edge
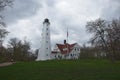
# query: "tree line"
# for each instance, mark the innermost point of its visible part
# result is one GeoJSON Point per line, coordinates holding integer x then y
{"type": "Point", "coordinates": [17, 50]}
{"type": "Point", "coordinates": [105, 38]}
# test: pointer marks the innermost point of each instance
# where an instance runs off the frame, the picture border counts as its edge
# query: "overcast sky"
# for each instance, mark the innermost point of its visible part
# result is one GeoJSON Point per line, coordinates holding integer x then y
{"type": "Point", "coordinates": [24, 20]}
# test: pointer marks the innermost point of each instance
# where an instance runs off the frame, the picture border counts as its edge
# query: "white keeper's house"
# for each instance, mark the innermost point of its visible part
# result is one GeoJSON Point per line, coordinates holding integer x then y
{"type": "Point", "coordinates": [66, 51]}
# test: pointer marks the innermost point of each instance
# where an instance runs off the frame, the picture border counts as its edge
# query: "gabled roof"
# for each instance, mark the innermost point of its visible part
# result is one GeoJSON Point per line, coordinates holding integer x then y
{"type": "Point", "coordinates": [65, 48]}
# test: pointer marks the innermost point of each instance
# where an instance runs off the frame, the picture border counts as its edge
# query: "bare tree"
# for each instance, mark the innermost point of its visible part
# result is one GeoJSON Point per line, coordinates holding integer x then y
{"type": "Point", "coordinates": [20, 50]}
{"type": "Point", "coordinates": [98, 29]}
{"type": "Point", "coordinates": [3, 31]}
{"type": "Point", "coordinates": [113, 38]}
{"type": "Point", "coordinates": [106, 35]}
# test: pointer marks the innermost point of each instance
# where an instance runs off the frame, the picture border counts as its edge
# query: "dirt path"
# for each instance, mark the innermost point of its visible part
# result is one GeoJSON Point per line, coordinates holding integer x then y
{"type": "Point", "coordinates": [6, 64]}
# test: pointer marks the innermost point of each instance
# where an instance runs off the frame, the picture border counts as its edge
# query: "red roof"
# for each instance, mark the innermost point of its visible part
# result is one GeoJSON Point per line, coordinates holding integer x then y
{"type": "Point", "coordinates": [65, 48]}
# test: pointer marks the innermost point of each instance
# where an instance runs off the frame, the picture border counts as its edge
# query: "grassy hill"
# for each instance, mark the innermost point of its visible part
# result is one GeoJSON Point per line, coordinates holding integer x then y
{"type": "Point", "coordinates": [62, 70]}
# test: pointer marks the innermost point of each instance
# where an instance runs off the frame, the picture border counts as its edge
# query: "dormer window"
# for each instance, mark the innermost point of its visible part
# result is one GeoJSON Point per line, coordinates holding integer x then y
{"type": "Point", "coordinates": [65, 49]}
{"type": "Point", "coordinates": [75, 49]}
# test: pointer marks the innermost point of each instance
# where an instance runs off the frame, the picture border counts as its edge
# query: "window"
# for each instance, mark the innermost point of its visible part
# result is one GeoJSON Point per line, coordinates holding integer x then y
{"type": "Point", "coordinates": [75, 49]}
{"type": "Point", "coordinates": [46, 33]}
{"type": "Point", "coordinates": [65, 49]}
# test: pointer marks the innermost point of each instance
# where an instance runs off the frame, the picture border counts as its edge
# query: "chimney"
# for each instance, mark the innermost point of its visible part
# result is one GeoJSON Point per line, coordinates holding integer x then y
{"type": "Point", "coordinates": [64, 41]}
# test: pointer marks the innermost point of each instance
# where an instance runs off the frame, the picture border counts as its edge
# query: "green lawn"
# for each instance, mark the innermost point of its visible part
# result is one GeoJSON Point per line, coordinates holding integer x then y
{"type": "Point", "coordinates": [62, 70]}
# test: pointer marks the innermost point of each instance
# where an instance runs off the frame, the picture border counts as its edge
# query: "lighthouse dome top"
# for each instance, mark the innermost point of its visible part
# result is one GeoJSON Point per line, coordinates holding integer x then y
{"type": "Point", "coordinates": [46, 20]}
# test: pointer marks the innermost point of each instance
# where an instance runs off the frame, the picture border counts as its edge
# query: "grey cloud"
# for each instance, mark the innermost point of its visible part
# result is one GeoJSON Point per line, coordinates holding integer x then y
{"type": "Point", "coordinates": [70, 13]}
{"type": "Point", "coordinates": [111, 10]}
{"type": "Point", "coordinates": [21, 9]}
{"type": "Point", "coordinates": [51, 3]}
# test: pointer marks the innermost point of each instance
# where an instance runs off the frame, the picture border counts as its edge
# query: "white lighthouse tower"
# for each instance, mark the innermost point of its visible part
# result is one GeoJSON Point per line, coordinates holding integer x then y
{"type": "Point", "coordinates": [45, 49]}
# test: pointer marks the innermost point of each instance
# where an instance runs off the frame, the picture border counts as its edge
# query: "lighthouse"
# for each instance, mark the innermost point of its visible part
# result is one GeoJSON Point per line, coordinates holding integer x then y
{"type": "Point", "coordinates": [45, 48]}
